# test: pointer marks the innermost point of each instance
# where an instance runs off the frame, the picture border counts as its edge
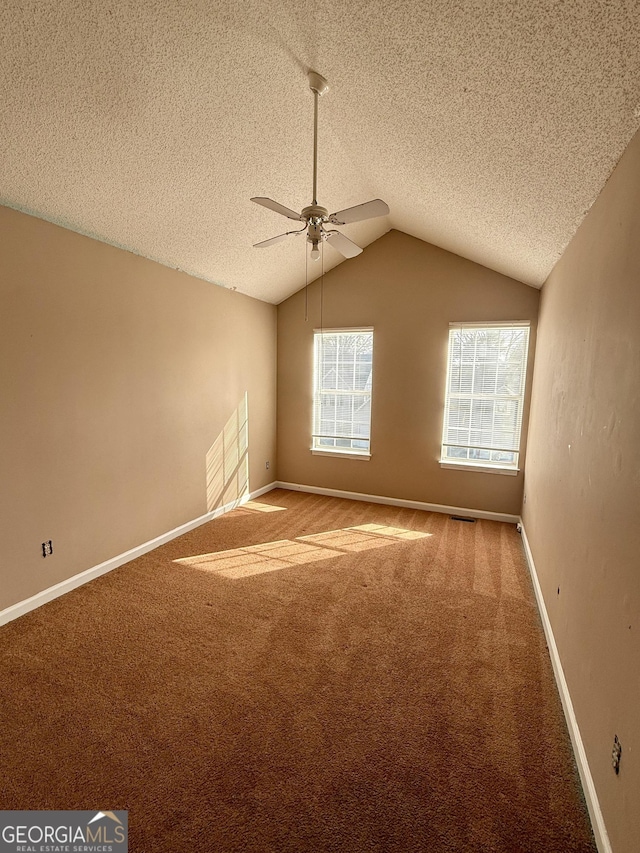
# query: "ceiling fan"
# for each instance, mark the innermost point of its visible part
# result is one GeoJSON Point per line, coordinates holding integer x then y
{"type": "Point", "coordinates": [315, 216]}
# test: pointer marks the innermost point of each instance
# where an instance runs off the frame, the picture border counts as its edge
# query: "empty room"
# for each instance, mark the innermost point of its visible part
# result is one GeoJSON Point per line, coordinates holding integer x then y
{"type": "Point", "coordinates": [320, 427]}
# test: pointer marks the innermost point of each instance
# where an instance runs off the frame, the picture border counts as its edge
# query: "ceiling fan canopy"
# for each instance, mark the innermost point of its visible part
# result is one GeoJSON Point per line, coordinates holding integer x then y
{"type": "Point", "coordinates": [314, 216]}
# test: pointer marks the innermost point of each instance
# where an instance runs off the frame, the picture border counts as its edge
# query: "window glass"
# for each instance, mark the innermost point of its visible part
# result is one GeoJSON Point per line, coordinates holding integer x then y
{"type": "Point", "coordinates": [486, 371]}
{"type": "Point", "coordinates": [343, 362]}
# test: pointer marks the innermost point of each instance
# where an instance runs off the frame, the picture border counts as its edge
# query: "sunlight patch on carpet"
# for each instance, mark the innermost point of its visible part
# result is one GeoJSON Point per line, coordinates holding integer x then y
{"type": "Point", "coordinates": [285, 553]}
{"type": "Point", "coordinates": [364, 537]}
{"type": "Point", "coordinates": [393, 532]}
{"type": "Point", "coordinates": [258, 559]}
{"type": "Point", "coordinates": [256, 506]}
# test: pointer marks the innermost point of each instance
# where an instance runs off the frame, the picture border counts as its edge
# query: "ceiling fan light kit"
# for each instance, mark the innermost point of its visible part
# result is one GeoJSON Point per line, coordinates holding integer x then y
{"type": "Point", "coordinates": [314, 215]}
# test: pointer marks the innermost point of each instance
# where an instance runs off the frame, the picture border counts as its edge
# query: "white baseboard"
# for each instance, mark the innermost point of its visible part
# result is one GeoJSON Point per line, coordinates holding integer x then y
{"type": "Point", "coordinates": [40, 598]}
{"type": "Point", "coordinates": [588, 786]}
{"type": "Point", "coordinates": [378, 499]}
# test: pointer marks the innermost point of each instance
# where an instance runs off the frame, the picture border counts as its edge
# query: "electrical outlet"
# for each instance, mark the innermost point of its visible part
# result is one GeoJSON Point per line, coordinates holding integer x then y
{"type": "Point", "coordinates": [616, 753]}
{"type": "Point", "coordinates": [47, 548]}
{"type": "Point", "coordinates": [266, 465]}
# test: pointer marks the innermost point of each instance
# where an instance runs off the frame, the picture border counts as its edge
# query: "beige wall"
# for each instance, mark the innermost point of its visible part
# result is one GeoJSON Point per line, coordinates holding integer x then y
{"type": "Point", "coordinates": [117, 376]}
{"type": "Point", "coordinates": [409, 291]}
{"type": "Point", "coordinates": [583, 485]}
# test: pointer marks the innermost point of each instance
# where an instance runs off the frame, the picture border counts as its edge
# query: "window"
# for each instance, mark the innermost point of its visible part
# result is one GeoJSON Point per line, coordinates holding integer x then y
{"type": "Point", "coordinates": [342, 391]}
{"type": "Point", "coordinates": [486, 372]}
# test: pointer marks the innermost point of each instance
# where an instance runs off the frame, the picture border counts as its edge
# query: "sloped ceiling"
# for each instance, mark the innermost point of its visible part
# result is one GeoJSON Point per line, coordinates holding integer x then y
{"type": "Point", "coordinates": [488, 127]}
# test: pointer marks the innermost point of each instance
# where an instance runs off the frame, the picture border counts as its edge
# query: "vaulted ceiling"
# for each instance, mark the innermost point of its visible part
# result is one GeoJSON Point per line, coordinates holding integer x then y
{"type": "Point", "coordinates": [488, 127]}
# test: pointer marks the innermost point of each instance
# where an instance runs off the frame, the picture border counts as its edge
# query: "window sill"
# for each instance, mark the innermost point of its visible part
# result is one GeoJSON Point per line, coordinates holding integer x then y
{"type": "Point", "coordinates": [341, 454]}
{"type": "Point", "coordinates": [486, 468]}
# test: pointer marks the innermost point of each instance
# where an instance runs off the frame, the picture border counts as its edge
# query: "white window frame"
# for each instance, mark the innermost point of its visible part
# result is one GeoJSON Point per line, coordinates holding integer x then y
{"type": "Point", "coordinates": [316, 448]}
{"type": "Point", "coordinates": [486, 465]}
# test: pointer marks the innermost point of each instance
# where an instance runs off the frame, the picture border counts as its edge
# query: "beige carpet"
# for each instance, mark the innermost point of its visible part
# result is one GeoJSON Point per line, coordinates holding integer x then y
{"type": "Point", "coordinates": [329, 676]}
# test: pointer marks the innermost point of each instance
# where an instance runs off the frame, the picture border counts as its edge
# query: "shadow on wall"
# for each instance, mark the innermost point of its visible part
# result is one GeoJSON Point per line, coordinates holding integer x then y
{"type": "Point", "coordinates": [227, 460]}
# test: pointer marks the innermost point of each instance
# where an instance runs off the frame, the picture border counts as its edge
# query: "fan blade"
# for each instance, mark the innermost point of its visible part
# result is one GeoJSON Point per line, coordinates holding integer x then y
{"type": "Point", "coordinates": [272, 240]}
{"type": "Point", "coordinates": [343, 244]}
{"type": "Point", "coordinates": [278, 208]}
{"type": "Point", "coordinates": [368, 210]}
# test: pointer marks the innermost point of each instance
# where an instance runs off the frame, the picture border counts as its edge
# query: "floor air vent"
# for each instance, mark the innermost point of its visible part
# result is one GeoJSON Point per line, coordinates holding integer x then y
{"type": "Point", "coordinates": [462, 518]}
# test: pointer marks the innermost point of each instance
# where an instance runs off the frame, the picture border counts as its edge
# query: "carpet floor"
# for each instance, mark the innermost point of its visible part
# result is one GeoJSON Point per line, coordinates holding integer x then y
{"type": "Point", "coordinates": [302, 674]}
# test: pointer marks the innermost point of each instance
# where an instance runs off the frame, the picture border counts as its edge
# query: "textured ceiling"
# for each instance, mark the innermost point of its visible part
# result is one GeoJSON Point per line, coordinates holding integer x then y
{"type": "Point", "coordinates": [488, 127]}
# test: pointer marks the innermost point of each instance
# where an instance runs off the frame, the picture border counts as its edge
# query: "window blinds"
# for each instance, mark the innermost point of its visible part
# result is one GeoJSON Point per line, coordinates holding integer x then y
{"type": "Point", "coordinates": [343, 361]}
{"type": "Point", "coordinates": [486, 374]}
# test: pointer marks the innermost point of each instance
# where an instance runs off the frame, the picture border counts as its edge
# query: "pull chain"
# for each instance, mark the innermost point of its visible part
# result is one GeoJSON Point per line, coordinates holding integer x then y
{"type": "Point", "coordinates": [322, 289]}
{"type": "Point", "coordinates": [306, 280]}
